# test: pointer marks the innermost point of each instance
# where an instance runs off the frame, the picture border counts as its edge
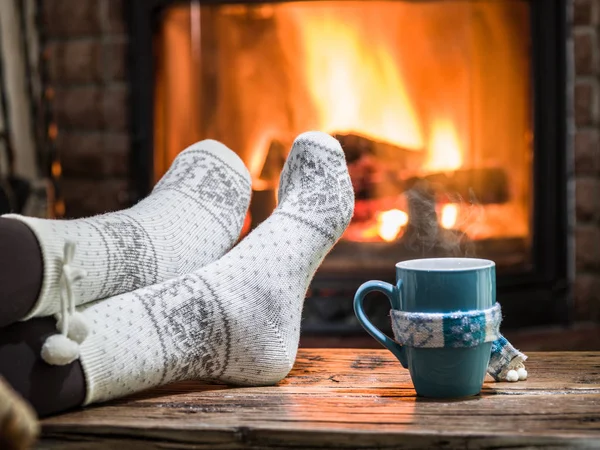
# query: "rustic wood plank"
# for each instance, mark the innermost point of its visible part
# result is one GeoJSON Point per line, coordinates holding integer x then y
{"type": "Point", "coordinates": [344, 398]}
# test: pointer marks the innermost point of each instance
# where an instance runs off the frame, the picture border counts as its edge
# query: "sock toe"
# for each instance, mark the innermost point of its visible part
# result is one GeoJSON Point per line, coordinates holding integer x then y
{"type": "Point", "coordinates": [319, 138]}
{"type": "Point", "coordinates": [315, 184]}
{"type": "Point", "coordinates": [224, 153]}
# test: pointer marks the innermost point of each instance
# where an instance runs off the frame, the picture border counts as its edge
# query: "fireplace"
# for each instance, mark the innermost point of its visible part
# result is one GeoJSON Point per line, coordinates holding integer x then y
{"type": "Point", "coordinates": [451, 113]}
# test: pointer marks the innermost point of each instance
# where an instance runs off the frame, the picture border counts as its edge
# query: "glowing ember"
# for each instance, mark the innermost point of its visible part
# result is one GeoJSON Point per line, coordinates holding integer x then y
{"type": "Point", "coordinates": [449, 215]}
{"type": "Point", "coordinates": [390, 224]}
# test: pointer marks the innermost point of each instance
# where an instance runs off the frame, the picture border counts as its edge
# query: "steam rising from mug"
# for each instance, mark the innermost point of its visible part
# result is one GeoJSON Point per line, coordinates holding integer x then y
{"type": "Point", "coordinates": [425, 236]}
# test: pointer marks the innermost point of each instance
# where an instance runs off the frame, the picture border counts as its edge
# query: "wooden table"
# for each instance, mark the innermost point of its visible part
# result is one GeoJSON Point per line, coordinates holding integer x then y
{"type": "Point", "coordinates": [349, 399]}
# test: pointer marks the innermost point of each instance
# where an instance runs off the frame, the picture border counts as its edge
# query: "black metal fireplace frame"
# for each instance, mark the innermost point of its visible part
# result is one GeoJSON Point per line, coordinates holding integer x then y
{"type": "Point", "coordinates": [537, 296]}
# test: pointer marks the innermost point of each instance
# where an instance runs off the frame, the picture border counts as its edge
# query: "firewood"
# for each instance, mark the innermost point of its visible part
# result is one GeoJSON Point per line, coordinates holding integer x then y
{"type": "Point", "coordinates": [355, 146]}
{"type": "Point", "coordinates": [380, 169]}
{"type": "Point", "coordinates": [377, 167]}
{"type": "Point", "coordinates": [274, 162]}
{"type": "Point", "coordinates": [482, 186]}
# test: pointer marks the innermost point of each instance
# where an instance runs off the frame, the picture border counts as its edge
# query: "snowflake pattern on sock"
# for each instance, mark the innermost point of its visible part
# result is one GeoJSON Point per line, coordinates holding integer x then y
{"type": "Point", "coordinates": [201, 348]}
{"type": "Point", "coordinates": [317, 188]}
{"type": "Point", "coordinates": [131, 249]}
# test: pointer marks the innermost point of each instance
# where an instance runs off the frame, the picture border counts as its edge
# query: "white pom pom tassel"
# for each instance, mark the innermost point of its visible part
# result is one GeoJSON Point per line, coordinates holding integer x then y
{"type": "Point", "coordinates": [522, 372]}
{"type": "Point", "coordinates": [512, 376]}
{"type": "Point", "coordinates": [62, 349]}
{"type": "Point", "coordinates": [78, 327]}
{"type": "Point", "coordinates": [59, 350]}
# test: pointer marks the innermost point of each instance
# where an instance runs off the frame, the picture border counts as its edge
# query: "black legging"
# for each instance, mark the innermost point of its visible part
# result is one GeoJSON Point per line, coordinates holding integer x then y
{"type": "Point", "coordinates": [21, 270]}
{"type": "Point", "coordinates": [50, 389]}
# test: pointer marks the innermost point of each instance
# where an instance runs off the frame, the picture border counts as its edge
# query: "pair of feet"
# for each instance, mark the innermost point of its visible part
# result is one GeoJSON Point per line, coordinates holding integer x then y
{"type": "Point", "coordinates": [153, 294]}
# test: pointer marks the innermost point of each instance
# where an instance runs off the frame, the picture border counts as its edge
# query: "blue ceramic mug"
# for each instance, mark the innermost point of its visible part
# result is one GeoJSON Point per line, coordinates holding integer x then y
{"type": "Point", "coordinates": [437, 285]}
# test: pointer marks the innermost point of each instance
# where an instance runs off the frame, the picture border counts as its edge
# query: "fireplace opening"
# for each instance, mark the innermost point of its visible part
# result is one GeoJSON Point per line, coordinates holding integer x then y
{"type": "Point", "coordinates": [447, 118]}
{"type": "Point", "coordinates": [434, 114]}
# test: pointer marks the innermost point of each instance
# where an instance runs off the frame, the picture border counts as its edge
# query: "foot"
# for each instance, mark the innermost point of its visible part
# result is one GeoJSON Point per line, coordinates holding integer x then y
{"type": "Point", "coordinates": [238, 319]}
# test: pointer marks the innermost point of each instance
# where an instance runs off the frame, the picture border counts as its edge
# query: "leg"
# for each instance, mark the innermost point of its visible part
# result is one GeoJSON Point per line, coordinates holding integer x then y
{"type": "Point", "coordinates": [236, 320]}
{"type": "Point", "coordinates": [49, 389]}
{"type": "Point", "coordinates": [21, 270]}
{"type": "Point", "coordinates": [192, 217]}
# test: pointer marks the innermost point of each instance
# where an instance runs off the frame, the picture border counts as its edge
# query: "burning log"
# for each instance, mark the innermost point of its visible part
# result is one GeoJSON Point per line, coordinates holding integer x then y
{"type": "Point", "coordinates": [424, 232]}
{"type": "Point", "coordinates": [356, 146]}
{"type": "Point", "coordinates": [264, 186]}
{"type": "Point", "coordinates": [375, 166]}
{"type": "Point", "coordinates": [273, 164]}
{"type": "Point", "coordinates": [378, 168]}
{"type": "Point", "coordinates": [482, 186]}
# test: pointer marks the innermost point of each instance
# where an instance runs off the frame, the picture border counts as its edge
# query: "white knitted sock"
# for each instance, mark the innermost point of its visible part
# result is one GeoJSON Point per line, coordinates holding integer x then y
{"type": "Point", "coordinates": [236, 320]}
{"type": "Point", "coordinates": [192, 217]}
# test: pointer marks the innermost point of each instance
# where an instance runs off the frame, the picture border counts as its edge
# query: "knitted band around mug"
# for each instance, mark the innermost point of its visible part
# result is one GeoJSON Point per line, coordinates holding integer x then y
{"type": "Point", "coordinates": [454, 329]}
{"type": "Point", "coordinates": [460, 330]}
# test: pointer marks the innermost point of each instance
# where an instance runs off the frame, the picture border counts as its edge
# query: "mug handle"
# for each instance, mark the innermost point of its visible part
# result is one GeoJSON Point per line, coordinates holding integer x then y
{"type": "Point", "coordinates": [390, 291]}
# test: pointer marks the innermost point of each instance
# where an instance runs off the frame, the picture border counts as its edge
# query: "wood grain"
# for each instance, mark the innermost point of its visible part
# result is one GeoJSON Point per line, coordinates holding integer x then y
{"type": "Point", "coordinates": [349, 399]}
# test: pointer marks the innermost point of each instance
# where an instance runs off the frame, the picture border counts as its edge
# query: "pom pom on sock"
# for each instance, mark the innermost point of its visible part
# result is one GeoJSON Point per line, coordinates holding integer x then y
{"type": "Point", "coordinates": [522, 372]}
{"type": "Point", "coordinates": [512, 376]}
{"type": "Point", "coordinates": [59, 350]}
{"type": "Point", "coordinates": [62, 349]}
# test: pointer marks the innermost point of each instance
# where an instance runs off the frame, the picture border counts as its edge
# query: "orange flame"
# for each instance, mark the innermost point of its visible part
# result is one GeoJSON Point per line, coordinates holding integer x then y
{"type": "Point", "coordinates": [353, 75]}
{"type": "Point", "coordinates": [354, 78]}
{"type": "Point", "coordinates": [444, 147]}
{"type": "Point", "coordinates": [390, 224]}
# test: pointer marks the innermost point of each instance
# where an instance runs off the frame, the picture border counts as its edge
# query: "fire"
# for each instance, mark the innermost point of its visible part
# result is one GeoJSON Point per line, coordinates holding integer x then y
{"type": "Point", "coordinates": [354, 78]}
{"type": "Point", "coordinates": [444, 147]}
{"type": "Point", "coordinates": [449, 215]}
{"type": "Point", "coordinates": [393, 72]}
{"type": "Point", "coordinates": [353, 75]}
{"type": "Point", "coordinates": [390, 223]}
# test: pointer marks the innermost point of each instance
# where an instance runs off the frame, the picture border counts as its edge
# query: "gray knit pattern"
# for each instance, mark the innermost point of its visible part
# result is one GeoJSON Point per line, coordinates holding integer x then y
{"type": "Point", "coordinates": [193, 216]}
{"type": "Point", "coordinates": [236, 320]}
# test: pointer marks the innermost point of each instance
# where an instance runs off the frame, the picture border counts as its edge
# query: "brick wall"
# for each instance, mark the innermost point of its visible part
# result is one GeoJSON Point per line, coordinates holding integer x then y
{"type": "Point", "coordinates": [585, 173]}
{"type": "Point", "coordinates": [86, 47]}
